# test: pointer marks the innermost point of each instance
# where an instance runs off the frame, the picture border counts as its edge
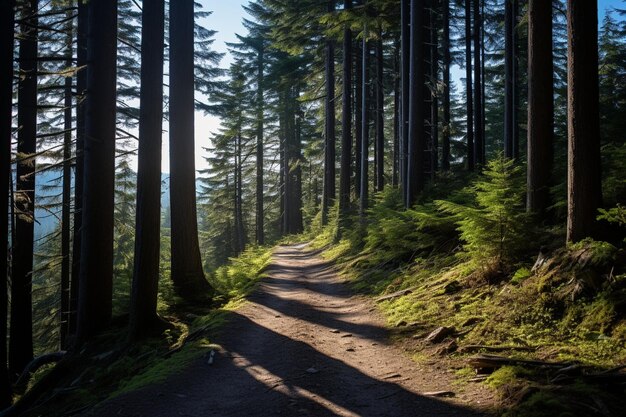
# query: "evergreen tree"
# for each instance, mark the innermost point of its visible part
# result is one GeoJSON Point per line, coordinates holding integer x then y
{"type": "Point", "coordinates": [187, 274]}
{"type": "Point", "coordinates": [584, 180]}
{"type": "Point", "coordinates": [540, 106]}
{"type": "Point", "coordinates": [143, 314]}
{"type": "Point", "coordinates": [7, 23]}
{"type": "Point", "coordinates": [21, 339]}
{"type": "Point", "coordinates": [96, 267]}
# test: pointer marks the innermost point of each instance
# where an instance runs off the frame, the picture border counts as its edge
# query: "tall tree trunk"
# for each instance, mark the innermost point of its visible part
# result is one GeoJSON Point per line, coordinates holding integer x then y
{"type": "Point", "coordinates": [287, 185]}
{"type": "Point", "coordinates": [145, 286]}
{"type": "Point", "coordinates": [7, 23]}
{"type": "Point", "coordinates": [479, 143]}
{"type": "Point", "coordinates": [345, 170]}
{"type": "Point", "coordinates": [96, 264]}
{"type": "Point", "coordinates": [395, 177]}
{"type": "Point", "coordinates": [509, 91]}
{"type": "Point", "coordinates": [241, 233]}
{"type": "Point", "coordinates": [380, 114]}
{"type": "Point", "coordinates": [81, 88]}
{"type": "Point", "coordinates": [516, 80]}
{"type": "Point", "coordinates": [330, 123]}
{"type": "Point", "coordinates": [584, 186]}
{"type": "Point", "coordinates": [299, 222]}
{"type": "Point", "coordinates": [434, 71]}
{"type": "Point", "coordinates": [21, 338]}
{"type": "Point", "coordinates": [540, 106]}
{"type": "Point", "coordinates": [428, 91]}
{"type": "Point", "coordinates": [67, 190]}
{"type": "Point", "coordinates": [363, 198]}
{"type": "Point", "coordinates": [282, 188]}
{"type": "Point", "coordinates": [417, 111]}
{"type": "Point", "coordinates": [483, 83]}
{"type": "Point", "coordinates": [187, 274]}
{"type": "Point", "coordinates": [260, 154]}
{"type": "Point", "coordinates": [358, 116]}
{"type": "Point", "coordinates": [447, 61]}
{"type": "Point", "coordinates": [469, 96]}
{"type": "Point", "coordinates": [405, 61]}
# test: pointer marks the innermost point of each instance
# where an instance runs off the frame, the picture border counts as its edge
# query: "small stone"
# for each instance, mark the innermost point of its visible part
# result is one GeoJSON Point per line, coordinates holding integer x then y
{"type": "Point", "coordinates": [312, 370]}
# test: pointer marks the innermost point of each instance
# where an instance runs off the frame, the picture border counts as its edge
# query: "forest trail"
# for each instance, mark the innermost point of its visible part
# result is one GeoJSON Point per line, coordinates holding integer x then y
{"type": "Point", "coordinates": [302, 345]}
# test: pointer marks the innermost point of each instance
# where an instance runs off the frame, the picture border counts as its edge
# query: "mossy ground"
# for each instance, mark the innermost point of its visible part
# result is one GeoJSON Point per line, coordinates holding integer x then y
{"type": "Point", "coordinates": [109, 366]}
{"type": "Point", "coordinates": [564, 309]}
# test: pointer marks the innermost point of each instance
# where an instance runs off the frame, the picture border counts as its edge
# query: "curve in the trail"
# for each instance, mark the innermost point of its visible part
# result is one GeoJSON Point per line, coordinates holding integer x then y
{"type": "Point", "coordinates": [302, 345]}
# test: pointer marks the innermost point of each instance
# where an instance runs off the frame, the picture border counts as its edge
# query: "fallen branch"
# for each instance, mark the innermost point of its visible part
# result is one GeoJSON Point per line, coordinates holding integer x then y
{"type": "Point", "coordinates": [34, 365]}
{"type": "Point", "coordinates": [494, 362]}
{"type": "Point", "coordinates": [396, 294]}
{"type": "Point", "coordinates": [474, 348]}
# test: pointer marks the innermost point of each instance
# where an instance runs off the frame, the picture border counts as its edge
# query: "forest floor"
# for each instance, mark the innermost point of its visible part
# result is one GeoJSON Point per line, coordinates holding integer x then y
{"type": "Point", "coordinates": [304, 345]}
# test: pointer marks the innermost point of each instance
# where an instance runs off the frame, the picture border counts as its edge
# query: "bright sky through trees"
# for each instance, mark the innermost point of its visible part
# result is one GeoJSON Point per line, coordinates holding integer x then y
{"type": "Point", "coordinates": [226, 20]}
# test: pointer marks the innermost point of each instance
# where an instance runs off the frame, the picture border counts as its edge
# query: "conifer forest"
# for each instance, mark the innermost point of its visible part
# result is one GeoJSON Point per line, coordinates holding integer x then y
{"type": "Point", "coordinates": [348, 208]}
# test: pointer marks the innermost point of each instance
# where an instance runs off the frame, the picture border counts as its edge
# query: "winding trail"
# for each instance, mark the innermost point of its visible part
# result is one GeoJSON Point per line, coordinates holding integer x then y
{"type": "Point", "coordinates": [302, 345]}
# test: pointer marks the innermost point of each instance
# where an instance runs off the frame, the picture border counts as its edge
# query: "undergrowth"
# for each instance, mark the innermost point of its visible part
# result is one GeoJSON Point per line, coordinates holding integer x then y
{"type": "Point", "coordinates": [110, 366]}
{"type": "Point", "coordinates": [470, 263]}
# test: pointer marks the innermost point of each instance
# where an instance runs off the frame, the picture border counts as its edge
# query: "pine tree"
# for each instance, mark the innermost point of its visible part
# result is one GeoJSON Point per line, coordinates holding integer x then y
{"type": "Point", "coordinates": [447, 61]}
{"type": "Point", "coordinates": [540, 106]}
{"type": "Point", "coordinates": [143, 313]}
{"type": "Point", "coordinates": [330, 123]}
{"type": "Point", "coordinates": [7, 23]}
{"type": "Point", "coordinates": [584, 191]}
{"type": "Point", "coordinates": [96, 267]}
{"type": "Point", "coordinates": [346, 120]}
{"type": "Point", "coordinates": [21, 339]}
{"type": "Point", "coordinates": [494, 230]}
{"type": "Point", "coordinates": [417, 111]}
{"type": "Point", "coordinates": [187, 273]}
{"type": "Point", "coordinates": [469, 90]}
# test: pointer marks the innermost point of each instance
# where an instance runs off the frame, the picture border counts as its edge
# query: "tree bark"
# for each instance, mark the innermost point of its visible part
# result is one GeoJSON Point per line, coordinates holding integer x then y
{"type": "Point", "coordinates": [21, 337]}
{"type": "Point", "coordinates": [358, 116]}
{"type": "Point", "coordinates": [81, 91]}
{"type": "Point", "coordinates": [345, 169]}
{"type": "Point", "coordinates": [584, 186]}
{"type": "Point", "coordinates": [479, 143]}
{"type": "Point", "coordinates": [260, 140]}
{"type": "Point", "coordinates": [540, 106]}
{"type": "Point", "coordinates": [239, 227]}
{"type": "Point", "coordinates": [187, 273]}
{"type": "Point", "coordinates": [96, 265]}
{"type": "Point", "coordinates": [405, 60]}
{"type": "Point", "coordinates": [67, 191]}
{"type": "Point", "coordinates": [447, 61]}
{"type": "Point", "coordinates": [397, 114]}
{"type": "Point", "coordinates": [417, 111]}
{"type": "Point", "coordinates": [469, 96]}
{"type": "Point", "coordinates": [434, 71]}
{"type": "Point", "coordinates": [7, 25]}
{"type": "Point", "coordinates": [330, 124]}
{"type": "Point", "coordinates": [380, 115]}
{"type": "Point", "coordinates": [364, 177]}
{"type": "Point", "coordinates": [282, 189]}
{"type": "Point", "coordinates": [509, 91]}
{"type": "Point", "coordinates": [145, 286]}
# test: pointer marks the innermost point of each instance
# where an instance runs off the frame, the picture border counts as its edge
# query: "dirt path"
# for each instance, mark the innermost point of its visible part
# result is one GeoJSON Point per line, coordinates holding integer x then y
{"type": "Point", "coordinates": [303, 345]}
